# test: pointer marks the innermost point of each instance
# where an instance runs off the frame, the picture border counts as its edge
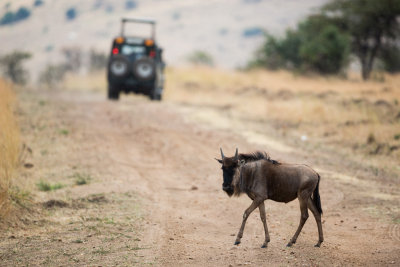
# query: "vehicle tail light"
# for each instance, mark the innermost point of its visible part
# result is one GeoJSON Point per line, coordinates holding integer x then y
{"type": "Point", "coordinates": [152, 54]}
{"type": "Point", "coordinates": [149, 42]}
{"type": "Point", "coordinates": [115, 51]}
{"type": "Point", "coordinates": [119, 40]}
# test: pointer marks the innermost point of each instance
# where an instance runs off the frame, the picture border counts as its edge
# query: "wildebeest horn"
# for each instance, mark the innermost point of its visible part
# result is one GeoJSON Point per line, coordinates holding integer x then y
{"type": "Point", "coordinates": [236, 154]}
{"type": "Point", "coordinates": [222, 153]}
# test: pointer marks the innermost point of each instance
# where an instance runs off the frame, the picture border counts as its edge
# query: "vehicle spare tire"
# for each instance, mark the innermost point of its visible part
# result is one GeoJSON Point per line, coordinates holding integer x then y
{"type": "Point", "coordinates": [144, 69]}
{"type": "Point", "coordinates": [119, 66]}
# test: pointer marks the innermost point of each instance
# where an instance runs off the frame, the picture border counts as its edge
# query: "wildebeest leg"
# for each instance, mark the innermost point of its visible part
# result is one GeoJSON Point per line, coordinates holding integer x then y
{"type": "Point", "coordinates": [317, 217]}
{"type": "Point", "coordinates": [246, 214]}
{"type": "Point", "coordinates": [264, 221]}
{"type": "Point", "coordinates": [303, 217]}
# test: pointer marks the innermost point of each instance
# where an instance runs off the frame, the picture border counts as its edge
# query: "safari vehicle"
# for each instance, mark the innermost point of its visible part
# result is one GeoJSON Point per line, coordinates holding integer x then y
{"type": "Point", "coordinates": [135, 64]}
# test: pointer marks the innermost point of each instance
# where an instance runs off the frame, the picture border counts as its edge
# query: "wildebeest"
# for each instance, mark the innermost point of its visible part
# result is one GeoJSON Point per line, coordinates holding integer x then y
{"type": "Point", "coordinates": [262, 178]}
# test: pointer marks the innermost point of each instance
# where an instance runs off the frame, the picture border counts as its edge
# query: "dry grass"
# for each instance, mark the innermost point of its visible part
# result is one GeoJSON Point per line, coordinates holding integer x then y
{"type": "Point", "coordinates": [342, 113]}
{"type": "Point", "coordinates": [9, 144]}
{"type": "Point", "coordinates": [93, 82]}
{"type": "Point", "coordinates": [339, 112]}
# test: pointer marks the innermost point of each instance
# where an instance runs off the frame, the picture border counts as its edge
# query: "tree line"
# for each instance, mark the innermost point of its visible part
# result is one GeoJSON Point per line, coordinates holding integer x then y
{"type": "Point", "coordinates": [323, 42]}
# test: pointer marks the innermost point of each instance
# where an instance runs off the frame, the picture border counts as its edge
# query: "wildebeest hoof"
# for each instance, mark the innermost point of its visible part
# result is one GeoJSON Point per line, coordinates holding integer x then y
{"type": "Point", "coordinates": [317, 245]}
{"type": "Point", "coordinates": [264, 245]}
{"type": "Point", "coordinates": [289, 244]}
{"type": "Point", "coordinates": [237, 243]}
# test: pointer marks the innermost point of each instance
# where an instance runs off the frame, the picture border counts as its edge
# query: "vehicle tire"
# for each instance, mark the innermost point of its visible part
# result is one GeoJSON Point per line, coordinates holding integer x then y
{"type": "Point", "coordinates": [113, 92]}
{"type": "Point", "coordinates": [156, 94]}
{"type": "Point", "coordinates": [144, 69]}
{"type": "Point", "coordinates": [119, 66]}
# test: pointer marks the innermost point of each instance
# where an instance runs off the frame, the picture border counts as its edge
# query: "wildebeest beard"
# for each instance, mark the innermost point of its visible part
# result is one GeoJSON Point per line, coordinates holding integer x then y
{"type": "Point", "coordinates": [229, 177]}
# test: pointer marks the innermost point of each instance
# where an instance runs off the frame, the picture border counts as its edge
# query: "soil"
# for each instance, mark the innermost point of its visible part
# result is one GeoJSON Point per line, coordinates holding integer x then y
{"type": "Point", "coordinates": [153, 194]}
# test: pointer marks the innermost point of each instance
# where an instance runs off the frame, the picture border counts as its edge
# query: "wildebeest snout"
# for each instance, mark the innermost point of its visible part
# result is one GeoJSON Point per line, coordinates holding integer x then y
{"type": "Point", "coordinates": [228, 189]}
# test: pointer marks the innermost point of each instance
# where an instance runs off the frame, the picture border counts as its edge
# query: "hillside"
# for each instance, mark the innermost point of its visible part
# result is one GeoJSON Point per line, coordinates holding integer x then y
{"type": "Point", "coordinates": [229, 32]}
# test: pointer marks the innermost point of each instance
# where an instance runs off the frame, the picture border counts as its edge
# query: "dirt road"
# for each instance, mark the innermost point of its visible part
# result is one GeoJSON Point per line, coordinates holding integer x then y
{"type": "Point", "coordinates": [155, 195]}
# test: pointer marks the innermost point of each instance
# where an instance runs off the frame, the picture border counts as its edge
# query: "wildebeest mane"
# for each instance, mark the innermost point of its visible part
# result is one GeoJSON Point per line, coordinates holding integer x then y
{"type": "Point", "coordinates": [244, 180]}
{"type": "Point", "coordinates": [258, 155]}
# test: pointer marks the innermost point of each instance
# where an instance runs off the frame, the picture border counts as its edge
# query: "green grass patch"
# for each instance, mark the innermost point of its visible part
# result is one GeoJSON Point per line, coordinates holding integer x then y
{"type": "Point", "coordinates": [64, 132]}
{"type": "Point", "coordinates": [46, 186]}
{"type": "Point", "coordinates": [108, 220]}
{"type": "Point", "coordinates": [82, 179]}
{"type": "Point", "coordinates": [396, 220]}
{"type": "Point", "coordinates": [101, 251]}
{"type": "Point", "coordinates": [20, 197]}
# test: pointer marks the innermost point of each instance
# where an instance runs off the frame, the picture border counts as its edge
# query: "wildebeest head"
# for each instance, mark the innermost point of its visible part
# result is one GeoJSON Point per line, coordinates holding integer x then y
{"type": "Point", "coordinates": [229, 166]}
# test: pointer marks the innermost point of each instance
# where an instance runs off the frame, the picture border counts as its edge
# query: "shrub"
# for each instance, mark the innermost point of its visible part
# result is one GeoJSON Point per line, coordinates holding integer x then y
{"type": "Point", "coordinates": [22, 13]}
{"type": "Point", "coordinates": [200, 58]}
{"type": "Point", "coordinates": [38, 3]}
{"type": "Point", "coordinates": [251, 32]}
{"type": "Point", "coordinates": [176, 15]}
{"type": "Point", "coordinates": [8, 18]}
{"type": "Point", "coordinates": [223, 31]}
{"type": "Point", "coordinates": [279, 53]}
{"type": "Point", "coordinates": [316, 44]}
{"type": "Point", "coordinates": [11, 17]}
{"type": "Point", "coordinates": [98, 60]}
{"type": "Point", "coordinates": [109, 8]}
{"type": "Point", "coordinates": [130, 4]}
{"type": "Point", "coordinates": [73, 57]}
{"type": "Point", "coordinates": [53, 74]}
{"type": "Point", "coordinates": [13, 68]}
{"type": "Point", "coordinates": [327, 52]}
{"type": "Point", "coordinates": [97, 4]}
{"type": "Point", "coordinates": [71, 13]}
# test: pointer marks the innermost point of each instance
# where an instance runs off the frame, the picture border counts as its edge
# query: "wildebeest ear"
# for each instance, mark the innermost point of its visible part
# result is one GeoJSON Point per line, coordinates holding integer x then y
{"type": "Point", "coordinates": [219, 160]}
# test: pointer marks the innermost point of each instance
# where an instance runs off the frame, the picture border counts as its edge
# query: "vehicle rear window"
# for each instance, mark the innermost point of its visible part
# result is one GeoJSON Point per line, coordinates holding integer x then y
{"type": "Point", "coordinates": [132, 49]}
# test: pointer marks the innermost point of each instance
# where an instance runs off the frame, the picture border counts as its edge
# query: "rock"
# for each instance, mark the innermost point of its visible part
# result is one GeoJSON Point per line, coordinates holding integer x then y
{"type": "Point", "coordinates": [55, 203]}
{"type": "Point", "coordinates": [28, 165]}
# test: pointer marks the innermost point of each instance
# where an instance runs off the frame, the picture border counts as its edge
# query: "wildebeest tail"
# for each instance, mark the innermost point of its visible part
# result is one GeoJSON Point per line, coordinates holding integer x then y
{"type": "Point", "coordinates": [317, 199]}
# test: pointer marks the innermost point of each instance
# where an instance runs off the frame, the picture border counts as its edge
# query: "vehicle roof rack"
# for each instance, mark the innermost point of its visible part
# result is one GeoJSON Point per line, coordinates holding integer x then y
{"type": "Point", "coordinates": [139, 20]}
